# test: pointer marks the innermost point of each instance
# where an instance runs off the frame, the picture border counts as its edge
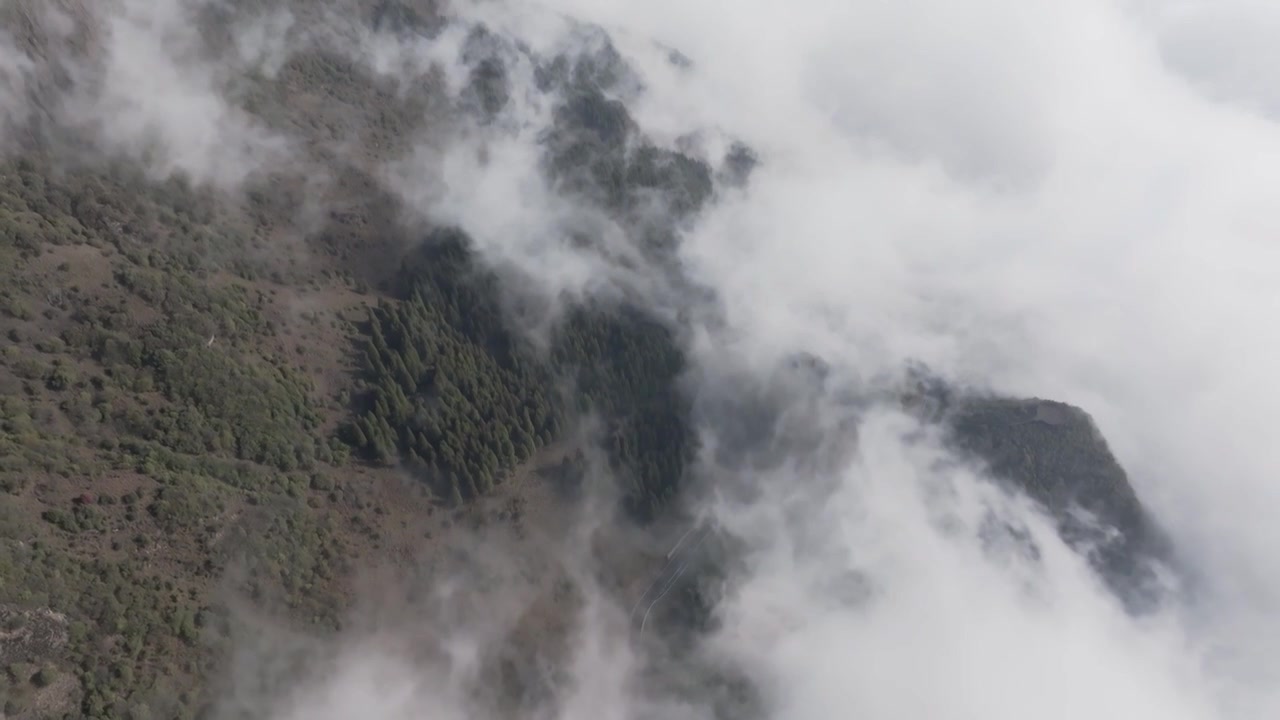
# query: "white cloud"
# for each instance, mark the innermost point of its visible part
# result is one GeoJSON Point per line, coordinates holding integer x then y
{"type": "Point", "coordinates": [1224, 47]}
{"type": "Point", "coordinates": [1035, 198]}
{"type": "Point", "coordinates": [264, 42]}
{"type": "Point", "coordinates": [156, 98]}
{"type": "Point", "coordinates": [1070, 200]}
{"type": "Point", "coordinates": [949, 627]}
{"type": "Point", "coordinates": [15, 69]}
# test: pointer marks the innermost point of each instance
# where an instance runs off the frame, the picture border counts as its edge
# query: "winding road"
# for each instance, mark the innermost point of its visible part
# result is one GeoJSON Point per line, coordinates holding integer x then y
{"type": "Point", "coordinates": [678, 559]}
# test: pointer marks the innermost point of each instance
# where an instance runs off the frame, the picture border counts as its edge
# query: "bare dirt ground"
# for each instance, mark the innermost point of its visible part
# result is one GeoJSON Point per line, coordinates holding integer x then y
{"type": "Point", "coordinates": [34, 633]}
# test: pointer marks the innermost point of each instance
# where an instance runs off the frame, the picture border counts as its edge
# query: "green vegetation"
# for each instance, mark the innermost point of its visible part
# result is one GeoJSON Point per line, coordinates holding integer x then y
{"type": "Point", "coordinates": [649, 188]}
{"type": "Point", "coordinates": [1052, 449]}
{"type": "Point", "coordinates": [447, 387]}
{"type": "Point", "coordinates": [627, 368]}
{"type": "Point", "coordinates": [440, 400]}
{"type": "Point", "coordinates": [158, 428]}
{"type": "Point", "coordinates": [149, 410]}
{"type": "Point", "coordinates": [195, 399]}
{"type": "Point", "coordinates": [1055, 454]}
{"type": "Point", "coordinates": [452, 391]}
{"type": "Point", "coordinates": [200, 394]}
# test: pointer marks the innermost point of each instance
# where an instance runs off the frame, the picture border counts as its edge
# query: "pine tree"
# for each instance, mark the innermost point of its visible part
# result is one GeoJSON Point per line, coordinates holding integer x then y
{"type": "Point", "coordinates": [384, 452]}
{"type": "Point", "coordinates": [379, 340]}
{"type": "Point", "coordinates": [413, 362]}
{"type": "Point", "coordinates": [358, 436]}
{"type": "Point", "coordinates": [489, 461]}
{"type": "Point", "coordinates": [402, 374]}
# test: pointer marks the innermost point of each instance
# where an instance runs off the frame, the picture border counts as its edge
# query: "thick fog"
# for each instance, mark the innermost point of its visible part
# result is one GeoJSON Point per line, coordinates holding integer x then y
{"type": "Point", "coordinates": [1071, 200]}
{"type": "Point", "coordinates": [1059, 200]}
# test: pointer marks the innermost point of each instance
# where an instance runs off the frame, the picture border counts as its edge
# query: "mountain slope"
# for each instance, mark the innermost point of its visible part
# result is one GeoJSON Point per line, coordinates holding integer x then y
{"type": "Point", "coordinates": [257, 391]}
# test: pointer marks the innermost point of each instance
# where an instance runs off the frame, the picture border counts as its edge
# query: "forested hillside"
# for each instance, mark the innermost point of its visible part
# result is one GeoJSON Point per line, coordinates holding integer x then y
{"type": "Point", "coordinates": [451, 389]}
{"type": "Point", "coordinates": [191, 386]}
{"type": "Point", "coordinates": [163, 417]}
{"type": "Point", "coordinates": [254, 393]}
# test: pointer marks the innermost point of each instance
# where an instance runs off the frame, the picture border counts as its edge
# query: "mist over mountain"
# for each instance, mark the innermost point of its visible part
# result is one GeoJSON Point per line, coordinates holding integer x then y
{"type": "Point", "coordinates": [367, 358]}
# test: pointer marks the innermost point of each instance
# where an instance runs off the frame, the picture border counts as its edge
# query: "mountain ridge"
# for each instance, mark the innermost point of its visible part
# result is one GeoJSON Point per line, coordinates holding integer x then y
{"type": "Point", "coordinates": [206, 387]}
